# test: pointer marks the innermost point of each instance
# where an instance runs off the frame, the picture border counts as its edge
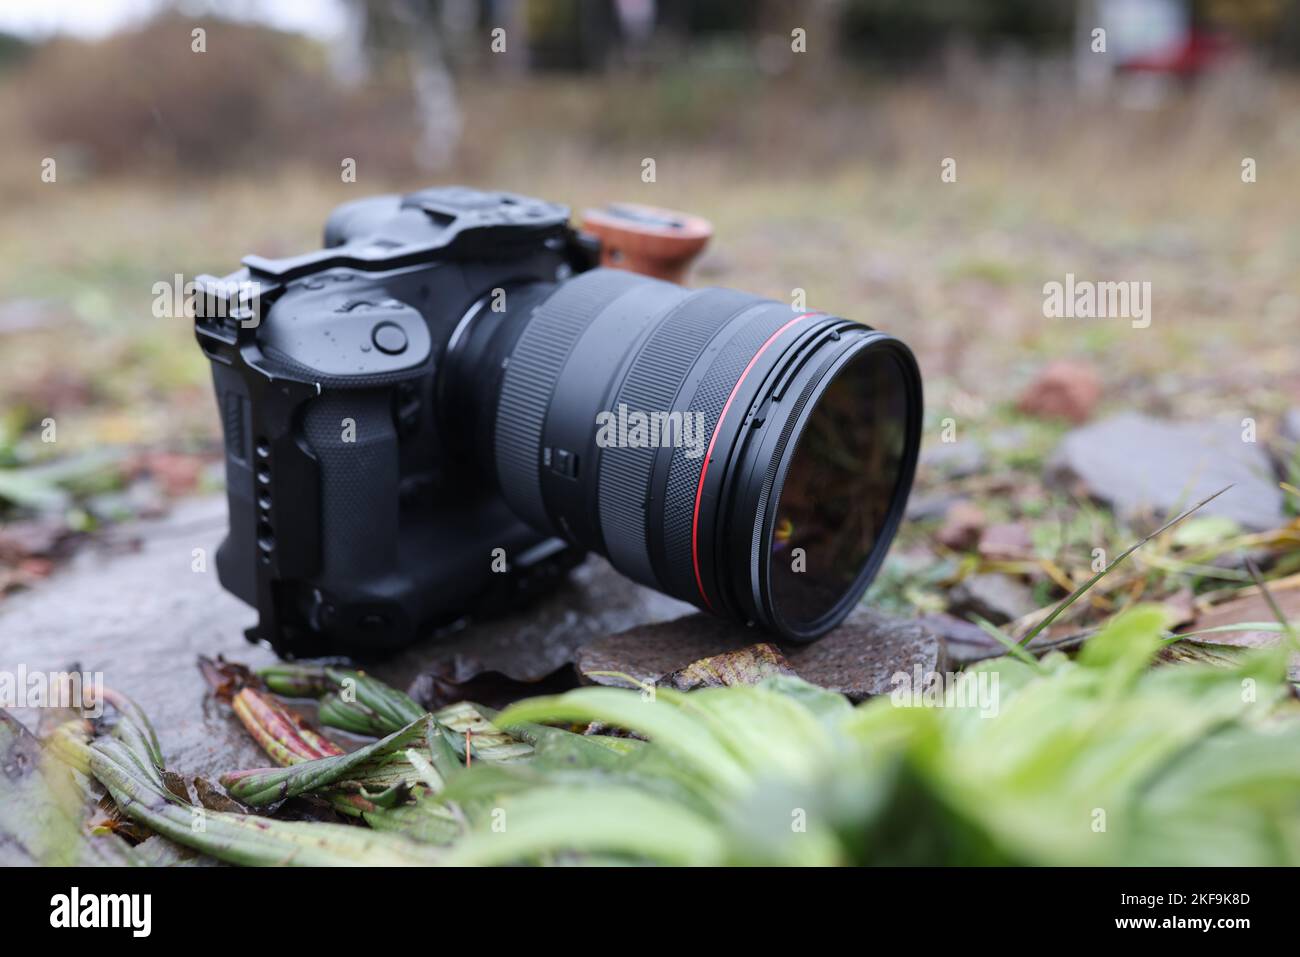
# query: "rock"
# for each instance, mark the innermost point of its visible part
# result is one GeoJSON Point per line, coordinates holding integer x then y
{"type": "Point", "coordinates": [857, 659]}
{"type": "Point", "coordinates": [1065, 389]}
{"type": "Point", "coordinates": [651, 652]}
{"type": "Point", "coordinates": [1139, 465]}
{"type": "Point", "coordinates": [132, 608]}
{"type": "Point", "coordinates": [1181, 606]}
{"type": "Point", "coordinates": [1007, 442]}
{"type": "Point", "coordinates": [454, 679]}
{"type": "Point", "coordinates": [1009, 541]}
{"type": "Point", "coordinates": [142, 619]}
{"type": "Point", "coordinates": [142, 498]}
{"type": "Point", "coordinates": [40, 537]}
{"type": "Point", "coordinates": [1290, 428]}
{"type": "Point", "coordinates": [177, 474]}
{"type": "Point", "coordinates": [954, 459]}
{"type": "Point", "coordinates": [533, 644]}
{"type": "Point", "coordinates": [748, 666]}
{"type": "Point", "coordinates": [928, 506]}
{"type": "Point", "coordinates": [998, 598]}
{"type": "Point", "coordinates": [860, 658]}
{"type": "Point", "coordinates": [1248, 608]}
{"type": "Point", "coordinates": [967, 643]}
{"type": "Point", "coordinates": [962, 525]}
{"type": "Point", "coordinates": [1286, 450]}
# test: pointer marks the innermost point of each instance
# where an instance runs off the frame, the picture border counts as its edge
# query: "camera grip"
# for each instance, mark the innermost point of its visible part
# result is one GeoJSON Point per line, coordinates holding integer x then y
{"type": "Point", "coordinates": [352, 435]}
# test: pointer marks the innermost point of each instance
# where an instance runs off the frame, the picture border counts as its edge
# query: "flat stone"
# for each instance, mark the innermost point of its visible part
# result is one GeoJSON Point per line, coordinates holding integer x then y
{"type": "Point", "coordinates": [532, 644]}
{"type": "Point", "coordinates": [1008, 541]}
{"type": "Point", "coordinates": [965, 641]}
{"type": "Point", "coordinates": [962, 525]}
{"type": "Point", "coordinates": [1144, 467]}
{"type": "Point", "coordinates": [1247, 609]}
{"type": "Point", "coordinates": [928, 506]}
{"type": "Point", "coordinates": [857, 659]}
{"type": "Point", "coordinates": [748, 666]}
{"type": "Point", "coordinates": [652, 652]}
{"type": "Point", "coordinates": [998, 598]}
{"type": "Point", "coordinates": [1290, 428]}
{"type": "Point", "coordinates": [1286, 450]}
{"type": "Point", "coordinates": [954, 459]}
{"type": "Point", "coordinates": [860, 658]}
{"type": "Point", "coordinates": [130, 606]}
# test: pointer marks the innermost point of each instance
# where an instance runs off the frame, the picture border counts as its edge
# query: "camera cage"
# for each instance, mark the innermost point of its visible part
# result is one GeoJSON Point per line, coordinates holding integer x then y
{"type": "Point", "coordinates": [469, 226]}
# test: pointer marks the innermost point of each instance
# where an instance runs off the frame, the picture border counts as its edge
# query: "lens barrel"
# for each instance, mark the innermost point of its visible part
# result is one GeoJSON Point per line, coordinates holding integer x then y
{"type": "Point", "coordinates": [712, 444]}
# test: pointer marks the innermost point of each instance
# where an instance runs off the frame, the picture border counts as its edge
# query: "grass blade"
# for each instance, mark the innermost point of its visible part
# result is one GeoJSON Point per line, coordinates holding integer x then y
{"type": "Point", "coordinates": [1012, 646]}
{"type": "Point", "coordinates": [1272, 603]}
{"type": "Point", "coordinates": [1086, 586]}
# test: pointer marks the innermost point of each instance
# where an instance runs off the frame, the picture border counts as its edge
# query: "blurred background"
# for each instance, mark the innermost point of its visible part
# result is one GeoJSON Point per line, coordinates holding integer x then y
{"type": "Point", "coordinates": [814, 135]}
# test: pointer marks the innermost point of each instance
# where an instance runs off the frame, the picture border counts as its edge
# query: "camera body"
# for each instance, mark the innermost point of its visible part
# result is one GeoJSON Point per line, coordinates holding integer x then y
{"type": "Point", "coordinates": [441, 411]}
{"type": "Point", "coordinates": [347, 383]}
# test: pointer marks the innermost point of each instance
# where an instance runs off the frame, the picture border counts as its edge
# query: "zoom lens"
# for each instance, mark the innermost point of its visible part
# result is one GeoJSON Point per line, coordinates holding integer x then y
{"type": "Point", "coordinates": [712, 444]}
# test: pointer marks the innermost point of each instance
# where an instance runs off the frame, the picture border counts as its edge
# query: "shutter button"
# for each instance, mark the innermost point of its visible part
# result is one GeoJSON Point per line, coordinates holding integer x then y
{"type": "Point", "coordinates": [388, 337]}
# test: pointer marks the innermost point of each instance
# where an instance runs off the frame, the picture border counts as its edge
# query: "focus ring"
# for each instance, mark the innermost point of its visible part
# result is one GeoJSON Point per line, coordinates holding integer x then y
{"type": "Point", "coordinates": [530, 378]}
{"type": "Point", "coordinates": [651, 385]}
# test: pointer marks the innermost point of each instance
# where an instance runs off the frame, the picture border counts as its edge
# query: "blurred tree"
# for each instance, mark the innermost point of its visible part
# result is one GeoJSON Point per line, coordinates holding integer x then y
{"type": "Point", "coordinates": [1272, 25]}
{"type": "Point", "coordinates": [140, 101]}
{"type": "Point", "coordinates": [421, 34]}
{"type": "Point", "coordinates": [13, 50]}
{"type": "Point", "coordinates": [905, 34]}
{"type": "Point", "coordinates": [697, 17]}
{"type": "Point", "coordinates": [572, 34]}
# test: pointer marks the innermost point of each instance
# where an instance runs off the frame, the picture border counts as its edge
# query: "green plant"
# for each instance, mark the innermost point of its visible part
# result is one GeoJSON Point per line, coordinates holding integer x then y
{"type": "Point", "coordinates": [1093, 761]}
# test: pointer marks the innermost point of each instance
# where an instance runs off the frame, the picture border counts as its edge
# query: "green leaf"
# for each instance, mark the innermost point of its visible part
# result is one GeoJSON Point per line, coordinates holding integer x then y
{"type": "Point", "coordinates": [1205, 530]}
{"type": "Point", "coordinates": [610, 820]}
{"type": "Point", "coordinates": [1128, 642]}
{"type": "Point", "coordinates": [260, 786]}
{"type": "Point", "coordinates": [673, 732]}
{"type": "Point", "coordinates": [128, 764]}
{"type": "Point", "coordinates": [27, 491]}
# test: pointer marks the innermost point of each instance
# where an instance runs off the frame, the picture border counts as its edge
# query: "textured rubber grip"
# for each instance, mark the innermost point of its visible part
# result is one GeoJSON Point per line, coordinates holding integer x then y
{"type": "Point", "coordinates": [355, 443]}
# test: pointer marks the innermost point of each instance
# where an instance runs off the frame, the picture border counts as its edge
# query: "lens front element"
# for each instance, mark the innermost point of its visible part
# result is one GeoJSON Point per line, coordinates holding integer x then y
{"type": "Point", "coordinates": [835, 497]}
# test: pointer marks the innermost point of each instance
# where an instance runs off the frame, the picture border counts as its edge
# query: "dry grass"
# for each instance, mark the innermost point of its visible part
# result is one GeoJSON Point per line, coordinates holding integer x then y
{"type": "Point", "coordinates": [832, 187]}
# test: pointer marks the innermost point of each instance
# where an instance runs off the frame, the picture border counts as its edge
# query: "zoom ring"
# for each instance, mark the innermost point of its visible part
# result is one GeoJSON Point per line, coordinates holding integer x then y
{"type": "Point", "coordinates": [651, 385]}
{"type": "Point", "coordinates": [530, 380]}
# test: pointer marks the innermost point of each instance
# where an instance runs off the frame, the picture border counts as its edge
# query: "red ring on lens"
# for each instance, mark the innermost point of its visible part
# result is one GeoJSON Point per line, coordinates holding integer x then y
{"type": "Point", "coordinates": [708, 455]}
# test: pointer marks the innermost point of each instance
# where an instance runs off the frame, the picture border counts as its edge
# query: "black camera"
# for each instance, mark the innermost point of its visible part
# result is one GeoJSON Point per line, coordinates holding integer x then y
{"type": "Point", "coordinates": [440, 412]}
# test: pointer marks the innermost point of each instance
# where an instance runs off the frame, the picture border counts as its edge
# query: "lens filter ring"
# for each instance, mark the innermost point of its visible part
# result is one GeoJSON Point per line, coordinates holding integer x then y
{"type": "Point", "coordinates": [814, 498]}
